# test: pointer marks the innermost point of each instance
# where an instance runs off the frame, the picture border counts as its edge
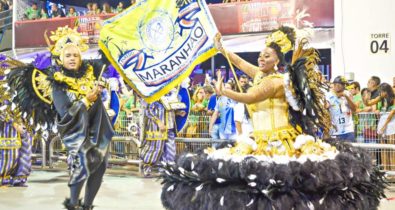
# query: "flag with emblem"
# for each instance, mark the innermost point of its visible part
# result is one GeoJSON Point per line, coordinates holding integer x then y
{"type": "Point", "coordinates": [155, 45]}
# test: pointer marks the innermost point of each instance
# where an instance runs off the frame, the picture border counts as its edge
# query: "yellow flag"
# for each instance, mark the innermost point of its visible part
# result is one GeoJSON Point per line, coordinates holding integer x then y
{"type": "Point", "coordinates": [155, 44]}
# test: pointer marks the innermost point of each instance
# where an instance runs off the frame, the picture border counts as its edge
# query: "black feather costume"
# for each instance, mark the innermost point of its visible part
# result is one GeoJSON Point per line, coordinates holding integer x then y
{"type": "Point", "coordinates": [348, 182]}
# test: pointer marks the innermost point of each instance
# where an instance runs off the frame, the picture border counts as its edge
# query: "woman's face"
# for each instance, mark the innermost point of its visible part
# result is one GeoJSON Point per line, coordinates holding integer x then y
{"type": "Point", "coordinates": [267, 60]}
{"type": "Point", "coordinates": [72, 58]}
{"type": "Point", "coordinates": [71, 10]}
{"type": "Point", "coordinates": [201, 94]}
{"type": "Point", "coordinates": [228, 86]}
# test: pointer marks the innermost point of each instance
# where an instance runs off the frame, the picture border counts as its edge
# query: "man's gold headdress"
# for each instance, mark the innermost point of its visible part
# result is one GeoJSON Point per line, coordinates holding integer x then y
{"type": "Point", "coordinates": [63, 37]}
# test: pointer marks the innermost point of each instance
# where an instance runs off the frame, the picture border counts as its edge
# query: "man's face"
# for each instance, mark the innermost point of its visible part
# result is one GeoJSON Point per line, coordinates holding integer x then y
{"type": "Point", "coordinates": [338, 88]}
{"type": "Point", "coordinates": [34, 6]}
{"type": "Point", "coordinates": [354, 90]}
{"type": "Point", "coordinates": [243, 82]}
{"type": "Point", "coordinates": [72, 58]}
{"type": "Point", "coordinates": [372, 85]}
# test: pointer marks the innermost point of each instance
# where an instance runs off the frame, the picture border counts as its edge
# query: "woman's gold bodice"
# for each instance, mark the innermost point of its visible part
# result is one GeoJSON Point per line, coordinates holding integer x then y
{"type": "Point", "coordinates": [270, 114]}
{"type": "Point", "coordinates": [271, 121]}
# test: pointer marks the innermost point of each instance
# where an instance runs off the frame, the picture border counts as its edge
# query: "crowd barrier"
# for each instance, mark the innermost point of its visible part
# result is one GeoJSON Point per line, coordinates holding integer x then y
{"type": "Point", "coordinates": [124, 148]}
{"type": "Point", "coordinates": [197, 126]}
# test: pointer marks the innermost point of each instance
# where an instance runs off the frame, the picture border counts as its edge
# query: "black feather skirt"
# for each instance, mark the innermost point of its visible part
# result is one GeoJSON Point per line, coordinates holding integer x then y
{"type": "Point", "coordinates": [349, 181]}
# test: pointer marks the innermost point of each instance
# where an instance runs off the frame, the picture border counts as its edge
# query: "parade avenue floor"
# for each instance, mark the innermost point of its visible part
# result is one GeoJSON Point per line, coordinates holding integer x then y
{"type": "Point", "coordinates": [47, 190]}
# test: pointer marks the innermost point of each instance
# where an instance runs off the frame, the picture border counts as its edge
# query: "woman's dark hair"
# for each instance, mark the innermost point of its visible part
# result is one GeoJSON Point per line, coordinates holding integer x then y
{"type": "Point", "coordinates": [385, 87]}
{"type": "Point", "coordinates": [279, 54]}
{"type": "Point", "coordinates": [356, 85]}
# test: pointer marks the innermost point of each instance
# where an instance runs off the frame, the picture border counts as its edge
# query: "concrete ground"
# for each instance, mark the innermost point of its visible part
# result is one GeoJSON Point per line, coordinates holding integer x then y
{"type": "Point", "coordinates": [47, 190]}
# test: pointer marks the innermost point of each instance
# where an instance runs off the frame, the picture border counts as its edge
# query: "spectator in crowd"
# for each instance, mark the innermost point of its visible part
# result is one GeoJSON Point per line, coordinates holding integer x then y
{"type": "Point", "coordinates": [387, 98]}
{"type": "Point", "coordinates": [89, 9]}
{"type": "Point", "coordinates": [72, 12]}
{"type": "Point", "coordinates": [132, 2]}
{"type": "Point", "coordinates": [95, 9]}
{"type": "Point", "coordinates": [358, 97]}
{"type": "Point", "coordinates": [199, 102]}
{"type": "Point", "coordinates": [361, 121]}
{"type": "Point", "coordinates": [106, 9]}
{"type": "Point", "coordinates": [373, 86]}
{"type": "Point", "coordinates": [242, 116]}
{"type": "Point", "coordinates": [367, 122]}
{"type": "Point", "coordinates": [386, 125]}
{"type": "Point", "coordinates": [341, 107]}
{"type": "Point", "coordinates": [355, 90]}
{"type": "Point", "coordinates": [32, 13]}
{"type": "Point", "coordinates": [365, 95]}
{"type": "Point", "coordinates": [244, 82]}
{"type": "Point", "coordinates": [44, 13]}
{"type": "Point", "coordinates": [225, 110]}
{"type": "Point", "coordinates": [129, 104]}
{"type": "Point", "coordinates": [212, 102]}
{"type": "Point", "coordinates": [119, 8]}
{"type": "Point", "coordinates": [208, 92]}
{"type": "Point", "coordinates": [198, 127]}
{"type": "Point", "coordinates": [56, 12]}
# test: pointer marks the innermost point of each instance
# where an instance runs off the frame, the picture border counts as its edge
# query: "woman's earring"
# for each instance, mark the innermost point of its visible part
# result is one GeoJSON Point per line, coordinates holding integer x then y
{"type": "Point", "coordinates": [275, 67]}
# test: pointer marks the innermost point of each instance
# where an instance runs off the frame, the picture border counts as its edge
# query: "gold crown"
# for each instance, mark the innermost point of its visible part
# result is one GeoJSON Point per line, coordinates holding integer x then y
{"type": "Point", "coordinates": [281, 39]}
{"type": "Point", "coordinates": [65, 36]}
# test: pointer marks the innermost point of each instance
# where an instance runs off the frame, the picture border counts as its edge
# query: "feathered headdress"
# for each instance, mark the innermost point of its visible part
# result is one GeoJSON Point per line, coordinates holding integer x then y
{"type": "Point", "coordinates": [283, 37]}
{"type": "Point", "coordinates": [282, 41]}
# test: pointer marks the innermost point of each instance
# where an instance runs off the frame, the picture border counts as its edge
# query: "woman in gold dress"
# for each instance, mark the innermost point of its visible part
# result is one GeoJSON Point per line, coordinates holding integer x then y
{"type": "Point", "coordinates": [267, 99]}
{"type": "Point", "coordinates": [287, 169]}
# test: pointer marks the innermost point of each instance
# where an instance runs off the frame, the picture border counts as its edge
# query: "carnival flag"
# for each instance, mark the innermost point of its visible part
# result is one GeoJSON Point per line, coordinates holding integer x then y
{"type": "Point", "coordinates": [155, 44]}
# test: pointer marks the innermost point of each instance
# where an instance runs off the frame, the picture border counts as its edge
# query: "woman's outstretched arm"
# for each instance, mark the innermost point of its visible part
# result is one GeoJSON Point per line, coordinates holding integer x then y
{"type": "Point", "coordinates": [240, 63]}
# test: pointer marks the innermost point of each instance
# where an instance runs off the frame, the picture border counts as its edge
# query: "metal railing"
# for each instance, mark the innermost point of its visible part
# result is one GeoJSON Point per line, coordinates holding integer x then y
{"type": "Point", "coordinates": [124, 148]}
{"type": "Point", "coordinates": [5, 20]}
{"type": "Point", "coordinates": [197, 126]}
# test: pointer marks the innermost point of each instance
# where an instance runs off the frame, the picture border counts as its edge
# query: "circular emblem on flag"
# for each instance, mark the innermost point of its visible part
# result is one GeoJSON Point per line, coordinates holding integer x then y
{"type": "Point", "coordinates": [157, 31]}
